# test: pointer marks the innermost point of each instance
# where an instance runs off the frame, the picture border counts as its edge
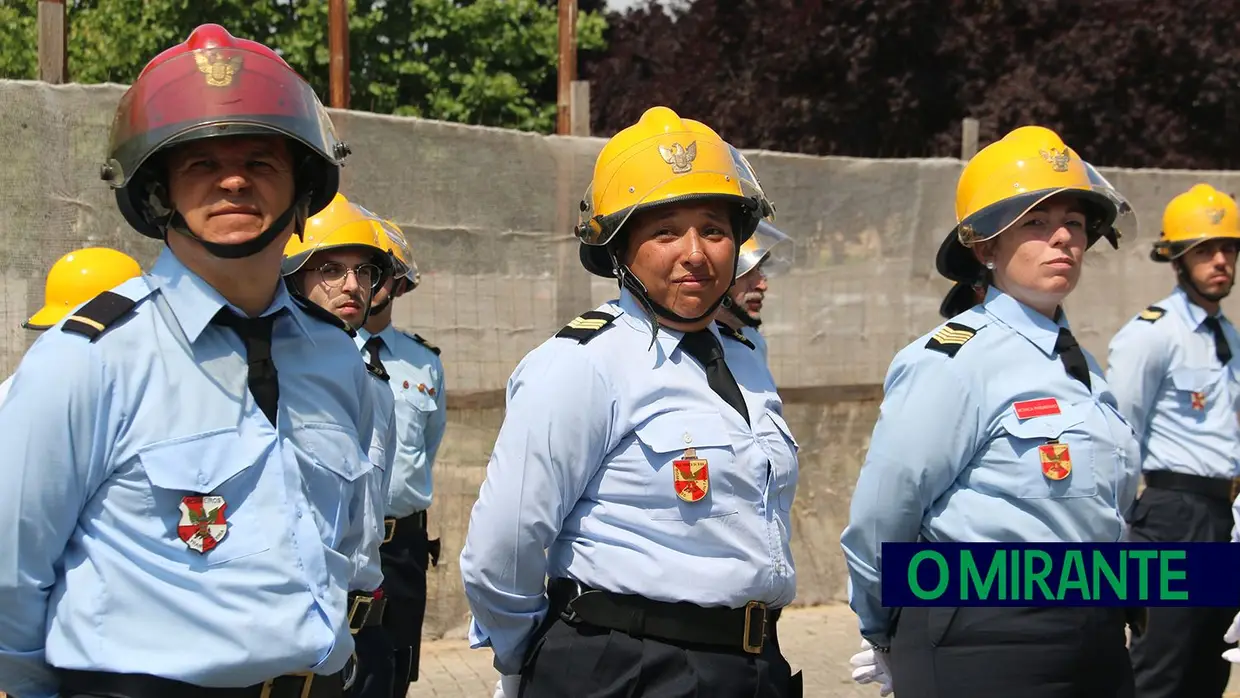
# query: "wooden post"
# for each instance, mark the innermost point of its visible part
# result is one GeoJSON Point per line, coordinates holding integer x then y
{"type": "Point", "coordinates": [338, 48]}
{"type": "Point", "coordinates": [968, 139]}
{"type": "Point", "coordinates": [579, 107]}
{"type": "Point", "coordinates": [567, 66]}
{"type": "Point", "coordinates": [53, 42]}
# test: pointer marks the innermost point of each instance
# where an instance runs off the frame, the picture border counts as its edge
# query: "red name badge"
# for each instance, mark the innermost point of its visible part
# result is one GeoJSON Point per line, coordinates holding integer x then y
{"type": "Point", "coordinates": [1036, 408]}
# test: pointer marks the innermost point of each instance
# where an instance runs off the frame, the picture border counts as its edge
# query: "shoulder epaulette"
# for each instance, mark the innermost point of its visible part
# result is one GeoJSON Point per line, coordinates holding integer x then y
{"type": "Point", "coordinates": [726, 330]}
{"type": "Point", "coordinates": [1151, 314]}
{"type": "Point", "coordinates": [318, 313]}
{"type": "Point", "coordinates": [418, 338]}
{"type": "Point", "coordinates": [100, 313]}
{"type": "Point", "coordinates": [950, 337]}
{"type": "Point", "coordinates": [586, 326]}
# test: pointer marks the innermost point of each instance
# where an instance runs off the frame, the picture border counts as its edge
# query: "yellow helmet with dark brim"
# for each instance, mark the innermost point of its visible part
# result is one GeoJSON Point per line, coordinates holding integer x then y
{"type": "Point", "coordinates": [1199, 214]}
{"type": "Point", "coordinates": [1010, 177]}
{"type": "Point", "coordinates": [340, 225]}
{"type": "Point", "coordinates": [78, 277]}
{"type": "Point", "coordinates": [661, 160]}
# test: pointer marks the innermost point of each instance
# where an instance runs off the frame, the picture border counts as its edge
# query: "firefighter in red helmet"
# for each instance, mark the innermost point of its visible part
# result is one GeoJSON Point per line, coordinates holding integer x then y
{"type": "Point", "coordinates": [189, 450]}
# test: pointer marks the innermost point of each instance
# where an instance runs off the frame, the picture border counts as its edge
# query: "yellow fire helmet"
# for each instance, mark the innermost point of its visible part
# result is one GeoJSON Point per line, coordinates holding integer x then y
{"type": "Point", "coordinates": [1199, 214]}
{"type": "Point", "coordinates": [340, 225]}
{"type": "Point", "coordinates": [1008, 178]}
{"type": "Point", "coordinates": [78, 277]}
{"type": "Point", "coordinates": [402, 254]}
{"type": "Point", "coordinates": [761, 247]}
{"type": "Point", "coordinates": [662, 159]}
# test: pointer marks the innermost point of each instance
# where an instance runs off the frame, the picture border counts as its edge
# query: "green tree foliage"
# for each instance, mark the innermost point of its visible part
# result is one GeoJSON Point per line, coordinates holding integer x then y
{"type": "Point", "coordinates": [487, 62]}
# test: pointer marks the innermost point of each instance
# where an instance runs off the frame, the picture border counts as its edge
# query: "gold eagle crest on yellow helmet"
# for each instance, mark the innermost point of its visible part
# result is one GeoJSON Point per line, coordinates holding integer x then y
{"type": "Point", "coordinates": [663, 159]}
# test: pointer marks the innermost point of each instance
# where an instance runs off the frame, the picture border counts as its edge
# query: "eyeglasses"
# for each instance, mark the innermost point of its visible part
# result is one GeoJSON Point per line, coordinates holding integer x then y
{"type": "Point", "coordinates": [333, 273]}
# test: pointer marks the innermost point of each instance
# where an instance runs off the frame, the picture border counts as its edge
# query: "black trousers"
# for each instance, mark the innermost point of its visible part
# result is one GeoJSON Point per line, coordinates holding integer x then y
{"type": "Point", "coordinates": [395, 655]}
{"type": "Point", "coordinates": [1010, 653]}
{"type": "Point", "coordinates": [582, 661]}
{"type": "Point", "coordinates": [1178, 655]}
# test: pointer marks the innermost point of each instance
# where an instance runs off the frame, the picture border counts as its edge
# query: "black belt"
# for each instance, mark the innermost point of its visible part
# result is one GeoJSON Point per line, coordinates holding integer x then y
{"type": "Point", "coordinates": [407, 526]}
{"type": "Point", "coordinates": [1213, 487]}
{"type": "Point", "coordinates": [402, 533]}
{"type": "Point", "coordinates": [300, 685]}
{"type": "Point", "coordinates": [745, 628]}
{"type": "Point", "coordinates": [366, 608]}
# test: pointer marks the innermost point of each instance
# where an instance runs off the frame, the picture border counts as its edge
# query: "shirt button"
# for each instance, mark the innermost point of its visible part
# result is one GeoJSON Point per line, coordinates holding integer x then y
{"type": "Point", "coordinates": [688, 438]}
{"type": "Point", "coordinates": [202, 478]}
{"type": "Point", "coordinates": [299, 513]}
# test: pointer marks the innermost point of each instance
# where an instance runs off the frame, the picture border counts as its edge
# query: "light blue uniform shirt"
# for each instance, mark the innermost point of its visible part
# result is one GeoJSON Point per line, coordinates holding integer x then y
{"type": "Point", "coordinates": [1179, 399]}
{"type": "Point", "coordinates": [950, 459]}
{"type": "Point", "coordinates": [582, 469]}
{"type": "Point", "coordinates": [421, 417]}
{"type": "Point", "coordinates": [759, 342]}
{"type": "Point", "coordinates": [368, 568]}
{"type": "Point", "coordinates": [102, 441]}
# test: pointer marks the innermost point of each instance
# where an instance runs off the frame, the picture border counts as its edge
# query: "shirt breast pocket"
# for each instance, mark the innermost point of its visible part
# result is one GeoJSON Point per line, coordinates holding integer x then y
{"type": "Point", "coordinates": [205, 487]}
{"type": "Point", "coordinates": [421, 407]}
{"type": "Point", "coordinates": [691, 461]}
{"type": "Point", "coordinates": [335, 472]}
{"type": "Point", "coordinates": [1192, 385]}
{"type": "Point", "coordinates": [784, 462]}
{"type": "Point", "coordinates": [1053, 455]}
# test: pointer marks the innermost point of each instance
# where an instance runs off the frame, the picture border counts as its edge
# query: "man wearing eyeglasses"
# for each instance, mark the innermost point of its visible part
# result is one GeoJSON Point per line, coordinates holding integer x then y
{"type": "Point", "coordinates": [417, 385]}
{"type": "Point", "coordinates": [337, 265]}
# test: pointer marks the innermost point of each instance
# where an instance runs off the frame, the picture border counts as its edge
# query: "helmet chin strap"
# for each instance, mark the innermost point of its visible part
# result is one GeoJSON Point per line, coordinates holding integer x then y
{"type": "Point", "coordinates": [740, 313]}
{"type": "Point", "coordinates": [294, 213]}
{"type": "Point", "coordinates": [655, 310]}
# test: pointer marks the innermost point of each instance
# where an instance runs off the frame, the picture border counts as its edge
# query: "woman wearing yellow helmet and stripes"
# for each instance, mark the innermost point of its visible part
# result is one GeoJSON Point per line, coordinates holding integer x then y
{"type": "Point", "coordinates": [643, 466]}
{"type": "Point", "coordinates": [998, 428]}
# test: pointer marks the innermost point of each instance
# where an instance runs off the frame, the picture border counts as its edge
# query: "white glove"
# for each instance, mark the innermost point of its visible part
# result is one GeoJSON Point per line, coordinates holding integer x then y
{"type": "Point", "coordinates": [871, 667]}
{"type": "Point", "coordinates": [508, 686]}
{"type": "Point", "coordinates": [1233, 635]}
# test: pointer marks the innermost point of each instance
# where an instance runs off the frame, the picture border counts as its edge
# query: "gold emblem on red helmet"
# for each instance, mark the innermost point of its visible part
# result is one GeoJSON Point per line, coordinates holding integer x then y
{"type": "Point", "coordinates": [219, 72]}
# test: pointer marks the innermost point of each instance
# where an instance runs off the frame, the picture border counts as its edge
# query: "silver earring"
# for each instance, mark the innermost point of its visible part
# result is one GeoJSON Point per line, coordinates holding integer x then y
{"type": "Point", "coordinates": [990, 265]}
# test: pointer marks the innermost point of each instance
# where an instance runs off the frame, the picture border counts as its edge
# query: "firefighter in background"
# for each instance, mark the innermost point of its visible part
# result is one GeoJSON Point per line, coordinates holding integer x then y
{"type": "Point", "coordinates": [1173, 371]}
{"type": "Point", "coordinates": [998, 427]}
{"type": "Point", "coordinates": [416, 380]}
{"type": "Point", "coordinates": [740, 314]}
{"type": "Point", "coordinates": [73, 280]}
{"type": "Point", "coordinates": [338, 264]}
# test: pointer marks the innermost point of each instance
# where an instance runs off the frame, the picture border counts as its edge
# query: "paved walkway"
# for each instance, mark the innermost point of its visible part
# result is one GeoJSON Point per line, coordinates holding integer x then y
{"type": "Point", "coordinates": [818, 640]}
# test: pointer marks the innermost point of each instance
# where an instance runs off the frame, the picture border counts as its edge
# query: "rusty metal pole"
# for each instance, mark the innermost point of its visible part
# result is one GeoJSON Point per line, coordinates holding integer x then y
{"type": "Point", "coordinates": [53, 41]}
{"type": "Point", "coordinates": [338, 48]}
{"type": "Point", "coordinates": [567, 67]}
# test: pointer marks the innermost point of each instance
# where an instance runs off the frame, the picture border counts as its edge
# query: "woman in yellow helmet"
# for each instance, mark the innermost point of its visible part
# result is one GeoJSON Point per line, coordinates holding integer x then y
{"type": "Point", "coordinates": [643, 466]}
{"type": "Point", "coordinates": [998, 428]}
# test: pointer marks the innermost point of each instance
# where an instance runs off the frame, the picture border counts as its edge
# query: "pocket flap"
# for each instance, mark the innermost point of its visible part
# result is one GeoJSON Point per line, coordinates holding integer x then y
{"type": "Point", "coordinates": [1195, 380]}
{"type": "Point", "coordinates": [1044, 427]}
{"type": "Point", "coordinates": [785, 429]}
{"type": "Point", "coordinates": [199, 462]}
{"type": "Point", "coordinates": [335, 448]}
{"type": "Point", "coordinates": [676, 431]}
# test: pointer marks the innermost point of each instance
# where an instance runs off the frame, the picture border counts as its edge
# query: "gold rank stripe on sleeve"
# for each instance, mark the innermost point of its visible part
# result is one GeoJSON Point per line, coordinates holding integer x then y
{"type": "Point", "coordinates": [586, 326]}
{"type": "Point", "coordinates": [94, 318]}
{"type": "Point", "coordinates": [1151, 314]}
{"type": "Point", "coordinates": [950, 337]}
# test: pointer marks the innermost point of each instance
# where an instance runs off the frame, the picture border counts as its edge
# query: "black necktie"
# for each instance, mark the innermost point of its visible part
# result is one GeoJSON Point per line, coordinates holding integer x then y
{"type": "Point", "coordinates": [1221, 349]}
{"type": "Point", "coordinates": [255, 334]}
{"type": "Point", "coordinates": [1072, 357]}
{"type": "Point", "coordinates": [373, 363]}
{"type": "Point", "coordinates": [703, 346]}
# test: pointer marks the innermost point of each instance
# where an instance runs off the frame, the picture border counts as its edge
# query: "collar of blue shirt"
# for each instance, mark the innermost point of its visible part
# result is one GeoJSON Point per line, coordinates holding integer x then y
{"type": "Point", "coordinates": [1027, 322]}
{"type": "Point", "coordinates": [194, 302]}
